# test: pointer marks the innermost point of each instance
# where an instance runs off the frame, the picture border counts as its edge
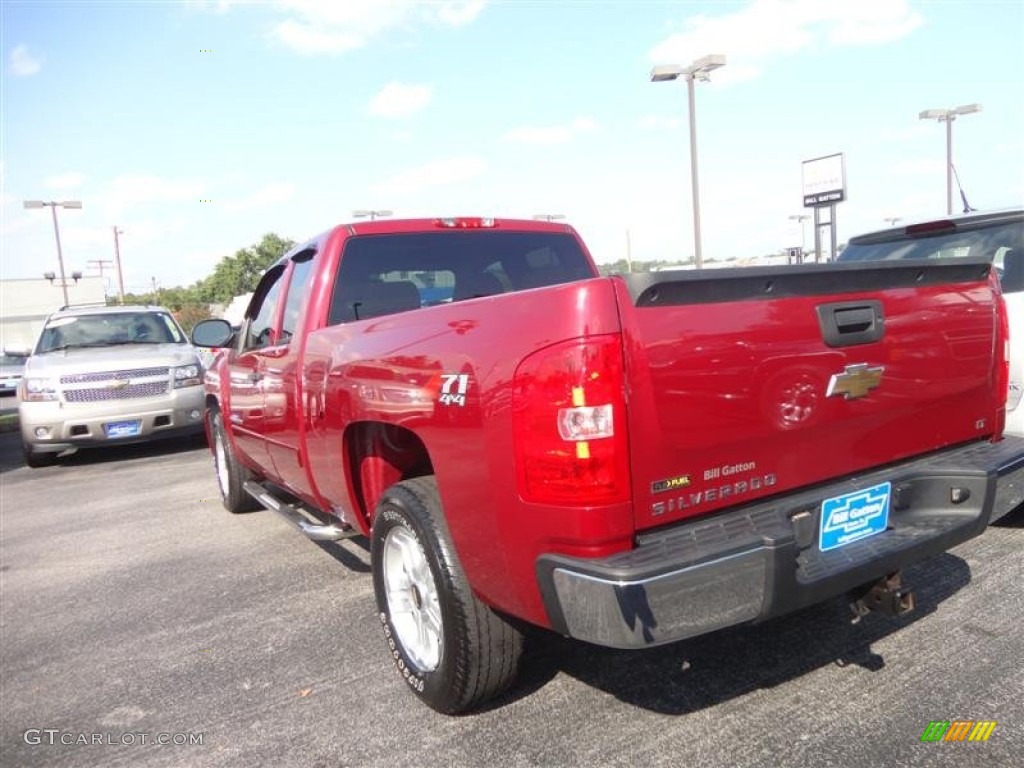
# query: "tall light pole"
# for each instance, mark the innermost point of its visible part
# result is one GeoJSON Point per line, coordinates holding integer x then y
{"type": "Point", "coordinates": [117, 259]}
{"type": "Point", "coordinates": [947, 116]}
{"type": "Point", "coordinates": [53, 205]}
{"type": "Point", "coordinates": [801, 218]}
{"type": "Point", "coordinates": [548, 216]}
{"type": "Point", "coordinates": [370, 214]}
{"type": "Point", "coordinates": [892, 220]}
{"type": "Point", "coordinates": [699, 70]}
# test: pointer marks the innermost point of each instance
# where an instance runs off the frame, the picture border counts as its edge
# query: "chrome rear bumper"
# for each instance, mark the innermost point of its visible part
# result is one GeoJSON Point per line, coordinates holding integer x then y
{"type": "Point", "coordinates": [762, 560]}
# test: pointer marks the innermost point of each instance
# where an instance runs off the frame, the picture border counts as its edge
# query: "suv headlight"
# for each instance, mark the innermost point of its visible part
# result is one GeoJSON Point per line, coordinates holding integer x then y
{"type": "Point", "coordinates": [38, 390]}
{"type": "Point", "coordinates": [1014, 397]}
{"type": "Point", "coordinates": [188, 375]}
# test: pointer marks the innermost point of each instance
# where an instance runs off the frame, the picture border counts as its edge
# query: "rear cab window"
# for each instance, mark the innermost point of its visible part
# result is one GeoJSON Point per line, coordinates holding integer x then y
{"type": "Point", "coordinates": [1001, 240]}
{"type": "Point", "coordinates": [384, 274]}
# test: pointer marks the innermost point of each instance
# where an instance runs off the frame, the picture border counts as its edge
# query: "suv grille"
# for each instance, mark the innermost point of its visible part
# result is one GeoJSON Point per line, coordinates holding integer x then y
{"type": "Point", "coordinates": [115, 385]}
{"type": "Point", "coordinates": [145, 389]}
{"type": "Point", "coordinates": [91, 378]}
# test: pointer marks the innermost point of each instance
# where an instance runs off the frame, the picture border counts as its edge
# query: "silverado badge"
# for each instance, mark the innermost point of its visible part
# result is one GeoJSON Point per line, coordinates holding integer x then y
{"type": "Point", "coordinates": [855, 381]}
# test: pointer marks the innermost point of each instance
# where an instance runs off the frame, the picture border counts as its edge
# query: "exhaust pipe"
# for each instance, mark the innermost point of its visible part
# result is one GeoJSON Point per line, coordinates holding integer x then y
{"type": "Point", "coordinates": [887, 595]}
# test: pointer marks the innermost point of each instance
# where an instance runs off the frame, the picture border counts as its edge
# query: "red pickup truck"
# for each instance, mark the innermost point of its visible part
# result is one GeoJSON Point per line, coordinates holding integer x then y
{"type": "Point", "coordinates": [627, 460]}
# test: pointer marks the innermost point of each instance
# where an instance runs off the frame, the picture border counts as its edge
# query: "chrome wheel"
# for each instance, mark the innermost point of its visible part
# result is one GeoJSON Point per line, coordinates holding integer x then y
{"type": "Point", "coordinates": [412, 598]}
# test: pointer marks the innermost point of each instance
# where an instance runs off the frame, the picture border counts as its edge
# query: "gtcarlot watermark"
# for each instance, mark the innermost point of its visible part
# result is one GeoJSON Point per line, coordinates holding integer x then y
{"type": "Point", "coordinates": [52, 736]}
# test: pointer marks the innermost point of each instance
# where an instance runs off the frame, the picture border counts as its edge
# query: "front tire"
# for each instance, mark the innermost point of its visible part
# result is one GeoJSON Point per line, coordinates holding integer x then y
{"type": "Point", "coordinates": [231, 475]}
{"type": "Point", "coordinates": [454, 651]}
{"type": "Point", "coordinates": [37, 460]}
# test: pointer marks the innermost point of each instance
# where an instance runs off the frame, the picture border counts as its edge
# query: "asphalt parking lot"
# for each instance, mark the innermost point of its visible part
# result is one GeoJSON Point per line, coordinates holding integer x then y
{"type": "Point", "coordinates": [133, 606]}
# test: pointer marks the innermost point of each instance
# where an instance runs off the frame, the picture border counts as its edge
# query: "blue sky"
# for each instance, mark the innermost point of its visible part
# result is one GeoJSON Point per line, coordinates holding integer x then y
{"type": "Point", "coordinates": [303, 111]}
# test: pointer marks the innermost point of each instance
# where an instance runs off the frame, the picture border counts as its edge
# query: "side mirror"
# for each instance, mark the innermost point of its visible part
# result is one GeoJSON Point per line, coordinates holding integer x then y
{"type": "Point", "coordinates": [212, 333]}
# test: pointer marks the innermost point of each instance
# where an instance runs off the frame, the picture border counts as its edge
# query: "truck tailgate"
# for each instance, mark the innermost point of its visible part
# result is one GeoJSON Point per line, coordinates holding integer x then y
{"type": "Point", "coordinates": [745, 383]}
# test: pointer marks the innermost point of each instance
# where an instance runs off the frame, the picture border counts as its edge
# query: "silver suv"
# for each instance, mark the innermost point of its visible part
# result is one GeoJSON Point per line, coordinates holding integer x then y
{"type": "Point", "coordinates": [108, 375]}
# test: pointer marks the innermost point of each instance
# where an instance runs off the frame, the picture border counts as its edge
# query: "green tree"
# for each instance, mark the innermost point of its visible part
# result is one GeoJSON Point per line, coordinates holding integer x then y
{"type": "Point", "coordinates": [238, 274]}
{"type": "Point", "coordinates": [233, 276]}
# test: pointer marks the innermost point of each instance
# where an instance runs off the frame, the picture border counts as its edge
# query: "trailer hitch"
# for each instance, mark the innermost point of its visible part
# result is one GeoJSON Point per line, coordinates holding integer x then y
{"type": "Point", "coordinates": [887, 595]}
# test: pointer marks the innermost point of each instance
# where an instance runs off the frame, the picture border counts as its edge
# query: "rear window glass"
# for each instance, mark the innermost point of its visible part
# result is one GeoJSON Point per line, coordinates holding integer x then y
{"type": "Point", "coordinates": [1002, 243]}
{"type": "Point", "coordinates": [383, 274]}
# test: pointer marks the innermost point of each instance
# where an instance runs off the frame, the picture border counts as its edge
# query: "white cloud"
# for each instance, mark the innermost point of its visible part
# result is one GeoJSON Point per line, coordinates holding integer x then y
{"type": "Point", "coordinates": [584, 125]}
{"type": "Point", "coordinates": [142, 188]}
{"type": "Point", "coordinates": [770, 29]}
{"type": "Point", "coordinates": [438, 173]}
{"type": "Point", "coordinates": [128, 191]}
{"type": "Point", "coordinates": [660, 122]}
{"type": "Point", "coordinates": [400, 100]}
{"type": "Point", "coordinates": [23, 63]}
{"type": "Point", "coordinates": [552, 134]}
{"type": "Point", "coordinates": [268, 195]}
{"type": "Point", "coordinates": [921, 167]}
{"type": "Point", "coordinates": [68, 180]}
{"type": "Point", "coordinates": [337, 26]}
{"type": "Point", "coordinates": [309, 39]}
{"type": "Point", "coordinates": [217, 6]}
{"type": "Point", "coordinates": [459, 14]}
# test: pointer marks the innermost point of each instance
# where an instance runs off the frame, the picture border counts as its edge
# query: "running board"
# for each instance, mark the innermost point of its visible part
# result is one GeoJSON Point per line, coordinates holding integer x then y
{"type": "Point", "coordinates": [291, 512]}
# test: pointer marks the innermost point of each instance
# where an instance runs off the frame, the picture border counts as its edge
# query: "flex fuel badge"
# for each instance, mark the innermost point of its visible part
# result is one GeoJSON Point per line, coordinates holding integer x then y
{"type": "Point", "coordinates": [670, 484]}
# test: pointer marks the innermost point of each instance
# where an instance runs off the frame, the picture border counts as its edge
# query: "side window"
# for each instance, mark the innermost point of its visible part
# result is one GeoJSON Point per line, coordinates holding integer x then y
{"type": "Point", "coordinates": [301, 272]}
{"type": "Point", "coordinates": [264, 308]}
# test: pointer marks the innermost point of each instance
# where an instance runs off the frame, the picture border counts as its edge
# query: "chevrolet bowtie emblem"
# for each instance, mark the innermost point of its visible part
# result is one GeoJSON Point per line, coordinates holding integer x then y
{"type": "Point", "coordinates": [118, 383]}
{"type": "Point", "coordinates": [856, 381]}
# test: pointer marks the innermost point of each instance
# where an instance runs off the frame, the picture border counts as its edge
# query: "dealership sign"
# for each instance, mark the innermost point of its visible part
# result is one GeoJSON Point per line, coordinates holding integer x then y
{"type": "Point", "coordinates": [824, 180]}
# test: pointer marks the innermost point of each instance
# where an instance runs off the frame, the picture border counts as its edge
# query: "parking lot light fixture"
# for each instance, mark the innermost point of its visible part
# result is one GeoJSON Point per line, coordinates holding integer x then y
{"type": "Point", "coordinates": [947, 116]}
{"type": "Point", "coordinates": [371, 214]}
{"type": "Point", "coordinates": [698, 70]}
{"type": "Point", "coordinates": [53, 205]}
{"type": "Point", "coordinates": [548, 216]}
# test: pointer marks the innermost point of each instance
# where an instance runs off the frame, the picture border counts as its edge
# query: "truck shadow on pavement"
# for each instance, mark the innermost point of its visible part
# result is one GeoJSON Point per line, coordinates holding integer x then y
{"type": "Point", "coordinates": [702, 672]}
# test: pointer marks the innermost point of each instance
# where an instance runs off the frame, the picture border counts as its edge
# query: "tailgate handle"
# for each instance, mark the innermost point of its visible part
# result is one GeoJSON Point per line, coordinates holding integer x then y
{"type": "Point", "coordinates": [845, 323]}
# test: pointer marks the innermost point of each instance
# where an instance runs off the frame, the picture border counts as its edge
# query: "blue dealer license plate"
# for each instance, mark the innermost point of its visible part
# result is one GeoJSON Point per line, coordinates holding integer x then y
{"type": "Point", "coordinates": [854, 516]}
{"type": "Point", "coordinates": [123, 428]}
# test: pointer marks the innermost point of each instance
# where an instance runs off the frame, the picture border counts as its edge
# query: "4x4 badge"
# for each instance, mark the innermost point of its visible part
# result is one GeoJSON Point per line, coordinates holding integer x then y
{"type": "Point", "coordinates": [855, 381]}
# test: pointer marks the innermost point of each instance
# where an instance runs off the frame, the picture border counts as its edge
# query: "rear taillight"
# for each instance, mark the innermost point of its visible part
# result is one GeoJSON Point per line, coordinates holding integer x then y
{"type": "Point", "coordinates": [1002, 355]}
{"type": "Point", "coordinates": [570, 424]}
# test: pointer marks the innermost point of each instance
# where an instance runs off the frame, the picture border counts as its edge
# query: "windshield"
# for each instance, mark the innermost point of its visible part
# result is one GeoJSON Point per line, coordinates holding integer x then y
{"type": "Point", "coordinates": [10, 361]}
{"type": "Point", "coordinates": [107, 330]}
{"type": "Point", "coordinates": [1002, 243]}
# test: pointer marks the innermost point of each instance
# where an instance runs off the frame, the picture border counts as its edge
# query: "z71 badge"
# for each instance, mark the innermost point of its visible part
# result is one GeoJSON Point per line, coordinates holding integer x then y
{"type": "Point", "coordinates": [453, 388]}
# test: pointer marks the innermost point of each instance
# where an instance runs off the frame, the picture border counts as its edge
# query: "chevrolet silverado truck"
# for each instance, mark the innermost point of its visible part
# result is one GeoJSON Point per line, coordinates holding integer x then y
{"type": "Point", "coordinates": [629, 460]}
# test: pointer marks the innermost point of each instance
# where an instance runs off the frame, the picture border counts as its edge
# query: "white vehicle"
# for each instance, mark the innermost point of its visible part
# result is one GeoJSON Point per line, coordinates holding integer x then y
{"type": "Point", "coordinates": [108, 375]}
{"type": "Point", "coordinates": [997, 236]}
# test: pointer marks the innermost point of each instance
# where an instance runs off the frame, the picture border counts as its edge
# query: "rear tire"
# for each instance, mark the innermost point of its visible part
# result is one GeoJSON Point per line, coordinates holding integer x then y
{"type": "Point", "coordinates": [231, 475]}
{"type": "Point", "coordinates": [37, 460]}
{"type": "Point", "coordinates": [454, 651]}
